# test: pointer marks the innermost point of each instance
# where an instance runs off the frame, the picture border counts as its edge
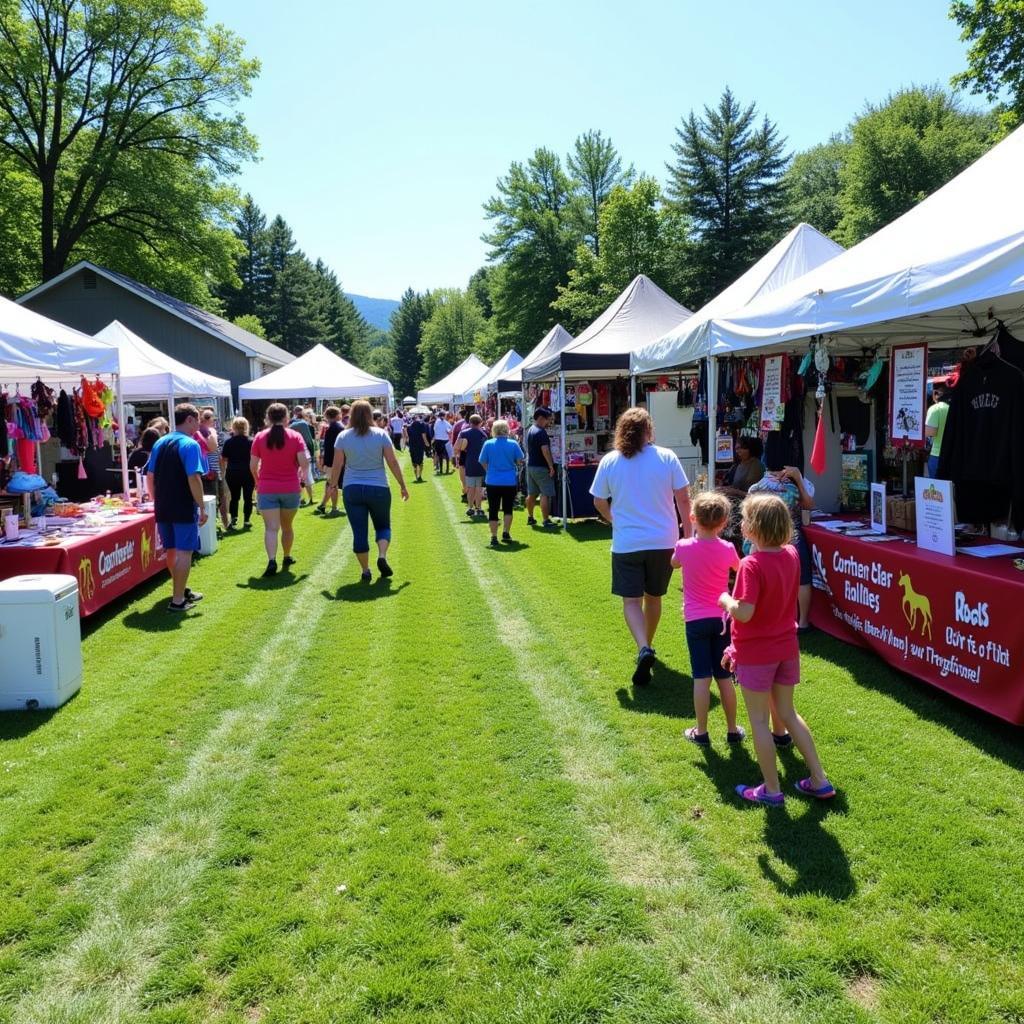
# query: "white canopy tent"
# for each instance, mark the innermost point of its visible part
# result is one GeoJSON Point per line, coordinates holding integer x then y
{"type": "Point", "coordinates": [32, 345]}
{"type": "Point", "coordinates": [505, 365]}
{"type": "Point", "coordinates": [319, 374]}
{"type": "Point", "coordinates": [803, 249]}
{"type": "Point", "coordinates": [147, 373]}
{"type": "Point", "coordinates": [451, 388]}
{"type": "Point", "coordinates": [551, 344]}
{"type": "Point", "coordinates": [638, 316]}
{"type": "Point", "coordinates": [944, 270]}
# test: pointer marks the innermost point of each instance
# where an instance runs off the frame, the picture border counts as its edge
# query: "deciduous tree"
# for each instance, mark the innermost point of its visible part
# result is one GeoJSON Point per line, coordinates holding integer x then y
{"type": "Point", "coordinates": [995, 60]}
{"type": "Point", "coordinates": [814, 185]}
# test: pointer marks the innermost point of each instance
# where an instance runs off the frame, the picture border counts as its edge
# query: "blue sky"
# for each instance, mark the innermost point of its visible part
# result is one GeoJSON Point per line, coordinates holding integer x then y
{"type": "Point", "coordinates": [384, 126]}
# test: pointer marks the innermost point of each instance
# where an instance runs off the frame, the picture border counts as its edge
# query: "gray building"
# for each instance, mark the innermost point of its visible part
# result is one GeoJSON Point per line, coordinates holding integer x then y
{"type": "Point", "coordinates": [87, 297]}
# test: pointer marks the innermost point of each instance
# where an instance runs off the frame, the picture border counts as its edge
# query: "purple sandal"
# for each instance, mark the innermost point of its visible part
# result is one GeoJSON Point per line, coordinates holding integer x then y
{"type": "Point", "coordinates": [805, 787]}
{"type": "Point", "coordinates": [759, 795]}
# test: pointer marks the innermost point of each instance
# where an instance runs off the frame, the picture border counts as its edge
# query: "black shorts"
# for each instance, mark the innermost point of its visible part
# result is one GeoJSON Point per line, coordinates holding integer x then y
{"type": "Point", "coordinates": [803, 549]}
{"type": "Point", "coordinates": [635, 573]}
{"type": "Point", "coordinates": [416, 454]}
{"type": "Point", "coordinates": [440, 449]}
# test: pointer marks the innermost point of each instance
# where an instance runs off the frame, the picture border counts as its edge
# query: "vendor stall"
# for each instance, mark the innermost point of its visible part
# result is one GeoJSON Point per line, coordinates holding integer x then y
{"type": "Point", "coordinates": [450, 388]}
{"type": "Point", "coordinates": [586, 385]}
{"type": "Point", "coordinates": [318, 374]}
{"type": "Point", "coordinates": [483, 388]}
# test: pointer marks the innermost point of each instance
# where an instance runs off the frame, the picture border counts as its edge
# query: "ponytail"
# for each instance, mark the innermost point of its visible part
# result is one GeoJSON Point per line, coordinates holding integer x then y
{"type": "Point", "coordinates": [275, 439]}
{"type": "Point", "coordinates": [277, 413]}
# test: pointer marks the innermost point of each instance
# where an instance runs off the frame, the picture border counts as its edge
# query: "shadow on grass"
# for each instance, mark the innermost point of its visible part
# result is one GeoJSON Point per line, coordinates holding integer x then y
{"type": "Point", "coordinates": [14, 725]}
{"type": "Point", "coordinates": [359, 591]}
{"type": "Point", "coordinates": [279, 581]}
{"type": "Point", "coordinates": [160, 582]}
{"type": "Point", "coordinates": [995, 737]}
{"type": "Point", "coordinates": [588, 530]}
{"type": "Point", "coordinates": [670, 693]}
{"type": "Point", "coordinates": [794, 831]}
{"type": "Point", "coordinates": [157, 619]}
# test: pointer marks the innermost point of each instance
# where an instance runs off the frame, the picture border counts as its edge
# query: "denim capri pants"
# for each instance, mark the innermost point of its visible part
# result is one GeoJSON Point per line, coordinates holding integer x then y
{"type": "Point", "coordinates": [363, 503]}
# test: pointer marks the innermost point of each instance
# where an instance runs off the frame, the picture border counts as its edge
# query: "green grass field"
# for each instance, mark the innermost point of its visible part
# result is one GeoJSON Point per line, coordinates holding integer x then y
{"type": "Point", "coordinates": [437, 799]}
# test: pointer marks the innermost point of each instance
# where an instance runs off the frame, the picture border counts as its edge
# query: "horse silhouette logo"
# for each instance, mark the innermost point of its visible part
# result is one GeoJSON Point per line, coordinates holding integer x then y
{"type": "Point", "coordinates": [147, 549]}
{"type": "Point", "coordinates": [913, 603]}
{"type": "Point", "coordinates": [86, 582]}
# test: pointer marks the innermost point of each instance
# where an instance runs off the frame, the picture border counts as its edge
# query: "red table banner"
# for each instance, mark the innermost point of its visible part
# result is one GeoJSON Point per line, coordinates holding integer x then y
{"type": "Point", "coordinates": [107, 564]}
{"type": "Point", "coordinates": [954, 622]}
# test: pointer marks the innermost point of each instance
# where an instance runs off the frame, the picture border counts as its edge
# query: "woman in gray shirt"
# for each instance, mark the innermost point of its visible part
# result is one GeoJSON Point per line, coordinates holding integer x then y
{"type": "Point", "coordinates": [363, 451]}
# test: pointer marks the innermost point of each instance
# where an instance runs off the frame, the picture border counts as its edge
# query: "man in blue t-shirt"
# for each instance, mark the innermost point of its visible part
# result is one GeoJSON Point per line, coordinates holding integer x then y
{"type": "Point", "coordinates": [540, 468]}
{"type": "Point", "coordinates": [175, 479]}
{"type": "Point", "coordinates": [471, 440]}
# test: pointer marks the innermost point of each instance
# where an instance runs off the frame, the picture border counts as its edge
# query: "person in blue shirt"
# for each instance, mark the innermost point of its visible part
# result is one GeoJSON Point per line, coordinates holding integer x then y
{"type": "Point", "coordinates": [175, 478]}
{"type": "Point", "coordinates": [500, 457]}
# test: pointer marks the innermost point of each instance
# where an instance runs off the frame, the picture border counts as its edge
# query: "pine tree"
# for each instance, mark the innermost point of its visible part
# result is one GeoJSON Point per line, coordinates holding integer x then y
{"type": "Point", "coordinates": [406, 333]}
{"type": "Point", "coordinates": [727, 179]}
{"type": "Point", "coordinates": [596, 169]}
{"type": "Point", "coordinates": [252, 264]}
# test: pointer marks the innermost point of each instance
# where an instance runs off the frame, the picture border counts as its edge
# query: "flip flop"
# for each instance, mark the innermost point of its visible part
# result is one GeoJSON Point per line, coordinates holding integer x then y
{"type": "Point", "coordinates": [759, 795]}
{"type": "Point", "coordinates": [701, 739]}
{"type": "Point", "coordinates": [826, 792]}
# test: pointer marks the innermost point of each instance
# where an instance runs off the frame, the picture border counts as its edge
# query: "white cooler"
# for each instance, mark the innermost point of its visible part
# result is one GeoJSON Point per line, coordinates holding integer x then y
{"type": "Point", "coordinates": [40, 642]}
{"type": "Point", "coordinates": [208, 531]}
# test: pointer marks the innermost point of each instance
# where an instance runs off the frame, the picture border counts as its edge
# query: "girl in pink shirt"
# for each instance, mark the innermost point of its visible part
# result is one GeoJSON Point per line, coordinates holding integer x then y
{"type": "Point", "coordinates": [706, 561]}
{"type": "Point", "coordinates": [765, 652]}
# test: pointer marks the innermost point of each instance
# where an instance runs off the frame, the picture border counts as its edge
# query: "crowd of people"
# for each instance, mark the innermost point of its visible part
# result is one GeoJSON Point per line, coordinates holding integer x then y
{"type": "Point", "coordinates": [743, 607]}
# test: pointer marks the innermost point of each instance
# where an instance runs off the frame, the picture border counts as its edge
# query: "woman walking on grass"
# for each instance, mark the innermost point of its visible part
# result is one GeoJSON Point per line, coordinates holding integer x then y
{"type": "Point", "coordinates": [362, 452]}
{"type": "Point", "coordinates": [500, 458]}
{"type": "Point", "coordinates": [236, 453]}
{"type": "Point", "coordinates": [279, 461]}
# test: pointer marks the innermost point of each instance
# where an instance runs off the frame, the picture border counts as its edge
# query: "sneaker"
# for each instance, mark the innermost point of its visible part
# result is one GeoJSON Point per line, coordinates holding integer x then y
{"type": "Point", "coordinates": [185, 606]}
{"type": "Point", "coordinates": [507, 538]}
{"type": "Point", "coordinates": [287, 561]}
{"type": "Point", "coordinates": [494, 542]}
{"type": "Point", "coordinates": [233, 524]}
{"type": "Point", "coordinates": [549, 524]}
{"type": "Point", "coordinates": [759, 795]}
{"type": "Point", "coordinates": [366, 576]}
{"type": "Point", "coordinates": [782, 741]}
{"type": "Point", "coordinates": [736, 737]}
{"type": "Point", "coordinates": [271, 569]}
{"type": "Point", "coordinates": [319, 510]}
{"type": "Point", "coordinates": [470, 512]}
{"type": "Point", "coordinates": [701, 739]}
{"type": "Point", "coordinates": [644, 664]}
{"type": "Point", "coordinates": [530, 521]}
{"type": "Point", "coordinates": [192, 595]}
{"type": "Point", "coordinates": [465, 500]}
{"type": "Point", "coordinates": [383, 568]}
{"type": "Point", "coordinates": [806, 788]}
{"type": "Point", "coordinates": [247, 525]}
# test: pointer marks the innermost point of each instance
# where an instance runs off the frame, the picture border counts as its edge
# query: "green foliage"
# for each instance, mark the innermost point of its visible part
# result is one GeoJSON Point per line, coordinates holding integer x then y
{"type": "Point", "coordinates": [534, 239]}
{"type": "Point", "coordinates": [813, 185]}
{"type": "Point", "coordinates": [638, 234]}
{"type": "Point", "coordinates": [252, 264]}
{"type": "Point", "coordinates": [596, 169]}
{"type": "Point", "coordinates": [456, 327]}
{"type": "Point", "coordinates": [251, 323]}
{"type": "Point", "coordinates": [121, 113]}
{"type": "Point", "coordinates": [406, 333]}
{"type": "Point", "coordinates": [727, 179]}
{"type": "Point", "coordinates": [19, 214]}
{"type": "Point", "coordinates": [995, 59]}
{"type": "Point", "coordinates": [902, 150]}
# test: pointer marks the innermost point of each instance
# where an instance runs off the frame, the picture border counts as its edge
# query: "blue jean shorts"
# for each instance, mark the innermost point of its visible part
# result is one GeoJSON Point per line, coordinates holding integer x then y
{"type": "Point", "coordinates": [179, 536]}
{"type": "Point", "coordinates": [707, 643]}
{"type": "Point", "coordinates": [270, 502]}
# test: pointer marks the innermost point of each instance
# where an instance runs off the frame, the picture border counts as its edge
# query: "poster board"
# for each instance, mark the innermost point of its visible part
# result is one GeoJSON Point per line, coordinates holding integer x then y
{"type": "Point", "coordinates": [724, 448]}
{"type": "Point", "coordinates": [771, 393]}
{"type": "Point", "coordinates": [934, 514]}
{"type": "Point", "coordinates": [908, 371]}
{"type": "Point", "coordinates": [878, 505]}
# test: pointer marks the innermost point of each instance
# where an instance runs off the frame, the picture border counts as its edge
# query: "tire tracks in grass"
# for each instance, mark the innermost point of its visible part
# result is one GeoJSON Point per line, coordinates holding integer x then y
{"type": "Point", "coordinates": [641, 847]}
{"type": "Point", "coordinates": [99, 977]}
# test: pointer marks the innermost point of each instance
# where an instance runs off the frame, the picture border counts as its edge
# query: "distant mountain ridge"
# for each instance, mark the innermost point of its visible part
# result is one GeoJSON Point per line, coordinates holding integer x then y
{"type": "Point", "coordinates": [376, 312]}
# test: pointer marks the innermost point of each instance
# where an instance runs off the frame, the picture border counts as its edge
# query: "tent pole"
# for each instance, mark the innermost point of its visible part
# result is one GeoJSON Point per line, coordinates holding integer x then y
{"type": "Point", "coordinates": [712, 376]}
{"type": "Point", "coordinates": [122, 435]}
{"type": "Point", "coordinates": [632, 390]}
{"type": "Point", "coordinates": [565, 477]}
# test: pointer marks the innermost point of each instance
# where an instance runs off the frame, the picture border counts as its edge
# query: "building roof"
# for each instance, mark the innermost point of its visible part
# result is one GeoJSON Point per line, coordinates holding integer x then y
{"type": "Point", "coordinates": [231, 334]}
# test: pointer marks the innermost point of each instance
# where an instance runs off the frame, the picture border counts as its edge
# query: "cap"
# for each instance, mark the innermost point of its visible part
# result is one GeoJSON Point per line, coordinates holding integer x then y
{"type": "Point", "coordinates": [541, 410]}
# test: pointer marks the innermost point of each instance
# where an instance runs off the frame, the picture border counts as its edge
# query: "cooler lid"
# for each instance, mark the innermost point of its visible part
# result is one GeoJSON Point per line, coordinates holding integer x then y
{"type": "Point", "coordinates": [53, 586]}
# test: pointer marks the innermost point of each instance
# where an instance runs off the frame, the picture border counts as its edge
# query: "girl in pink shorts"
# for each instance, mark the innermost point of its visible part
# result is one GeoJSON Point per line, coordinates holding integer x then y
{"type": "Point", "coordinates": [765, 653]}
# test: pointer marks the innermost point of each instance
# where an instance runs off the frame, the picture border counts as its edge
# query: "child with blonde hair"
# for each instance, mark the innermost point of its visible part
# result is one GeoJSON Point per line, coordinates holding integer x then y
{"type": "Point", "coordinates": [764, 652]}
{"type": "Point", "coordinates": [706, 561]}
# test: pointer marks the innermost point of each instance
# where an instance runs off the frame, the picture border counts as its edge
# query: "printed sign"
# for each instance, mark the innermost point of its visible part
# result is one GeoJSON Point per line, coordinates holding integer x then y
{"type": "Point", "coordinates": [771, 393]}
{"type": "Point", "coordinates": [723, 448]}
{"type": "Point", "coordinates": [934, 510]}
{"type": "Point", "coordinates": [907, 372]}
{"type": "Point", "coordinates": [878, 506]}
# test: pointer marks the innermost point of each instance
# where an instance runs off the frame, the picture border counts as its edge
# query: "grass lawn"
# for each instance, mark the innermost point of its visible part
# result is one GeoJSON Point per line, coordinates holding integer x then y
{"type": "Point", "coordinates": [437, 799]}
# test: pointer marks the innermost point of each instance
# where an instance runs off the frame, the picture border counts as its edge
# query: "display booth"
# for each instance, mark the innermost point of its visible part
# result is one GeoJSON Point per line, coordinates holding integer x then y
{"type": "Point", "coordinates": [109, 545]}
{"type": "Point", "coordinates": [450, 388]}
{"type": "Point", "coordinates": [484, 393]}
{"type": "Point", "coordinates": [926, 572]}
{"type": "Point", "coordinates": [586, 385]}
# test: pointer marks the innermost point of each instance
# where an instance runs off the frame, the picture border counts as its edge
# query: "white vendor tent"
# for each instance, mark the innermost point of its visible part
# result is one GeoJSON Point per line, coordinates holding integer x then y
{"type": "Point", "coordinates": [551, 344]}
{"type": "Point", "coordinates": [803, 249]}
{"type": "Point", "coordinates": [945, 269]}
{"type": "Point", "coordinates": [147, 373]}
{"type": "Point", "coordinates": [451, 388]}
{"type": "Point", "coordinates": [318, 374]}
{"type": "Point", "coordinates": [505, 365]}
{"type": "Point", "coordinates": [32, 345]}
{"type": "Point", "coordinates": [640, 314]}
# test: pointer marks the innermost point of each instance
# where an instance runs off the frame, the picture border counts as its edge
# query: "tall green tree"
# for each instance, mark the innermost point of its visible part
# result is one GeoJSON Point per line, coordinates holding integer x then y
{"type": "Point", "coordinates": [902, 150]}
{"type": "Point", "coordinates": [727, 180]}
{"type": "Point", "coordinates": [596, 168]}
{"type": "Point", "coordinates": [533, 240]}
{"type": "Point", "coordinates": [19, 217]}
{"type": "Point", "coordinates": [995, 59]}
{"type": "Point", "coordinates": [479, 287]}
{"type": "Point", "coordinates": [406, 331]}
{"type": "Point", "coordinates": [252, 263]}
{"type": "Point", "coordinates": [456, 327]}
{"type": "Point", "coordinates": [814, 185]}
{"type": "Point", "coordinates": [122, 114]}
{"type": "Point", "coordinates": [639, 235]}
